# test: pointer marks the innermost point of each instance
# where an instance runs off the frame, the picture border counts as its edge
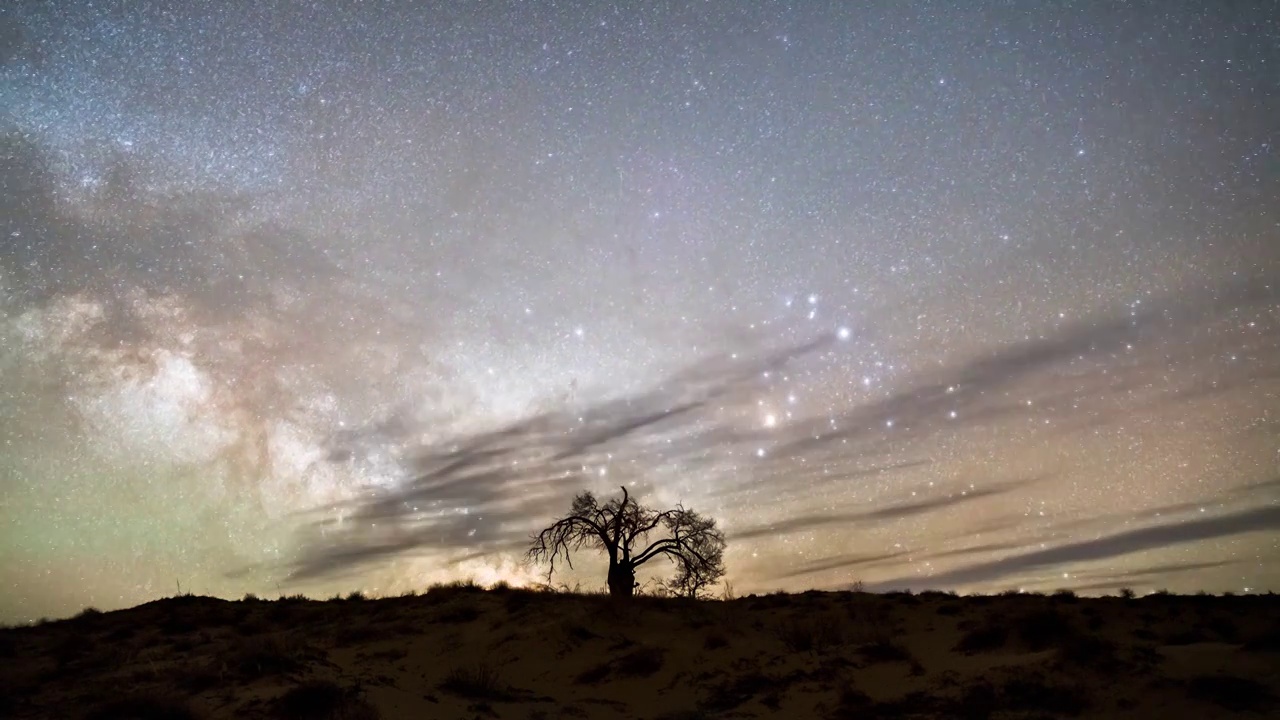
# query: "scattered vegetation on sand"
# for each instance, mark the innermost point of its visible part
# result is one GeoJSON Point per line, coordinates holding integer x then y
{"type": "Point", "coordinates": [835, 655]}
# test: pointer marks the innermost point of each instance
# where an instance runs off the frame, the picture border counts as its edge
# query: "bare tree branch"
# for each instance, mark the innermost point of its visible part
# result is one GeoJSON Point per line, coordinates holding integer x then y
{"type": "Point", "coordinates": [693, 542]}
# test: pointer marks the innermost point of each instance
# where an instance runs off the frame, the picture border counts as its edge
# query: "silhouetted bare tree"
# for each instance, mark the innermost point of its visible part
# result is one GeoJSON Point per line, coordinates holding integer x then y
{"type": "Point", "coordinates": [694, 579]}
{"type": "Point", "coordinates": [621, 527]}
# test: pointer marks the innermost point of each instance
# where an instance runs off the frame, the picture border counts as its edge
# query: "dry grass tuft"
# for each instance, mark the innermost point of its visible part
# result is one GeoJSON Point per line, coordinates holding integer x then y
{"type": "Point", "coordinates": [480, 681]}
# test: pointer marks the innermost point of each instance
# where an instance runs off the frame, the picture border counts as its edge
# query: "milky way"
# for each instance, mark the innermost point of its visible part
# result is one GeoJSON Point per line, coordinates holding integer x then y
{"type": "Point", "coordinates": [324, 296]}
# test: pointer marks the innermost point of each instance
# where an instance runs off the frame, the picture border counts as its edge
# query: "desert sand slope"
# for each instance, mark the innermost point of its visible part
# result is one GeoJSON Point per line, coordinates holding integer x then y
{"type": "Point", "coordinates": [463, 652]}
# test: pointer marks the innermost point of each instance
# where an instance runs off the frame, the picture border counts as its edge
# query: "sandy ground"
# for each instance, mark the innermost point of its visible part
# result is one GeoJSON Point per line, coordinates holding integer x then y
{"type": "Point", "coordinates": [462, 652]}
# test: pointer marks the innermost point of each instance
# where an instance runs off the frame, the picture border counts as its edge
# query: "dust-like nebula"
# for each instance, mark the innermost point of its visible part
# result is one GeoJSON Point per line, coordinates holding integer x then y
{"type": "Point", "coordinates": [312, 297]}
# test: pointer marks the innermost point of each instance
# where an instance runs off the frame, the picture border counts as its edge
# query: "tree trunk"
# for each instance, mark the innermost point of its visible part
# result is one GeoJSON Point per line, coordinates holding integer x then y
{"type": "Point", "coordinates": [622, 581]}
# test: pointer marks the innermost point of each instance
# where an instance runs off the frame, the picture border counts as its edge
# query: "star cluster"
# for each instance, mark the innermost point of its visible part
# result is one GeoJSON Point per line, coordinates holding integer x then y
{"type": "Point", "coordinates": [331, 295]}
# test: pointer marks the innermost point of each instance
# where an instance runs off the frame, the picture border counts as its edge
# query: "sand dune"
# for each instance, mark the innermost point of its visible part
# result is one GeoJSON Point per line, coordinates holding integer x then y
{"type": "Point", "coordinates": [463, 652]}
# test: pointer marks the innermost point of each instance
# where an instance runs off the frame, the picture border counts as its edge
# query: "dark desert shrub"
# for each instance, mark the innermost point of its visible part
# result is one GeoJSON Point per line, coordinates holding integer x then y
{"type": "Point", "coordinates": [517, 599]}
{"type": "Point", "coordinates": [1225, 628]}
{"type": "Point", "coordinates": [324, 700]}
{"type": "Point", "coordinates": [458, 614]}
{"type": "Point", "coordinates": [811, 635]}
{"type": "Point", "coordinates": [738, 690]}
{"type": "Point", "coordinates": [354, 634]}
{"type": "Point", "coordinates": [179, 623]}
{"type": "Point", "coordinates": [456, 587]}
{"type": "Point", "coordinates": [798, 636]}
{"type": "Point", "coordinates": [1041, 629]}
{"type": "Point", "coordinates": [641, 662]}
{"type": "Point", "coordinates": [480, 681]}
{"type": "Point", "coordinates": [1236, 694]}
{"type": "Point", "coordinates": [715, 641]}
{"type": "Point", "coordinates": [595, 674]}
{"type": "Point", "coordinates": [1188, 636]}
{"type": "Point", "coordinates": [885, 650]}
{"type": "Point", "coordinates": [1035, 693]}
{"type": "Point", "coordinates": [577, 633]}
{"type": "Point", "coordinates": [264, 656]}
{"type": "Point", "coordinates": [1266, 641]}
{"type": "Point", "coordinates": [695, 714]}
{"type": "Point", "coordinates": [853, 703]}
{"type": "Point", "coordinates": [121, 633]}
{"type": "Point", "coordinates": [1089, 652]}
{"type": "Point", "coordinates": [984, 638]}
{"type": "Point", "coordinates": [1145, 657]}
{"type": "Point", "coordinates": [979, 700]}
{"type": "Point", "coordinates": [144, 707]}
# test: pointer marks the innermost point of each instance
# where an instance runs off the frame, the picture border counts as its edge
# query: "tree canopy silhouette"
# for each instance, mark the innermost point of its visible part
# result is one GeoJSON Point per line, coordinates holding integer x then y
{"type": "Point", "coordinates": [622, 528]}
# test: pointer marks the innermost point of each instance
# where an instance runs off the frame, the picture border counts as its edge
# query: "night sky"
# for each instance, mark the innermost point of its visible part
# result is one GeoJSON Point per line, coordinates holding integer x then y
{"type": "Point", "coordinates": [311, 297]}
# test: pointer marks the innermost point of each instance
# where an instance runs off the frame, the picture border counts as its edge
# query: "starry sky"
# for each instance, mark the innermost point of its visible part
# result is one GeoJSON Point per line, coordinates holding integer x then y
{"type": "Point", "coordinates": [318, 296]}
